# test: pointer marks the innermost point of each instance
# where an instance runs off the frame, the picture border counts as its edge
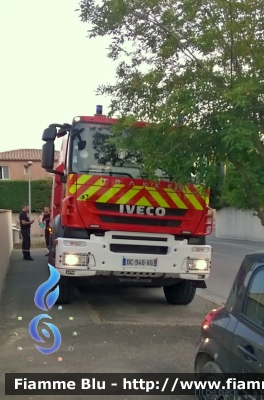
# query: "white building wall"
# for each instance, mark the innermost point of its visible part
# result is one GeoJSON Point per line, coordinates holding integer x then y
{"type": "Point", "coordinates": [237, 224]}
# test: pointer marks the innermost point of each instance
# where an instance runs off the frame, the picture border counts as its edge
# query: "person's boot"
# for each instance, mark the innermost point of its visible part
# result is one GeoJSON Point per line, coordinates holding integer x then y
{"type": "Point", "coordinates": [24, 255]}
{"type": "Point", "coordinates": [28, 257]}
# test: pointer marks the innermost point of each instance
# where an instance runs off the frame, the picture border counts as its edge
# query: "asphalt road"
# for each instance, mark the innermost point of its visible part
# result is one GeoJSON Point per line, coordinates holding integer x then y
{"type": "Point", "coordinates": [227, 257]}
{"type": "Point", "coordinates": [118, 329]}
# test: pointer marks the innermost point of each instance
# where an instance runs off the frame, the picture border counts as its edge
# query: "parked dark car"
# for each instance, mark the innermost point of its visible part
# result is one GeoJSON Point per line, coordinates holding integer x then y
{"type": "Point", "coordinates": [232, 337]}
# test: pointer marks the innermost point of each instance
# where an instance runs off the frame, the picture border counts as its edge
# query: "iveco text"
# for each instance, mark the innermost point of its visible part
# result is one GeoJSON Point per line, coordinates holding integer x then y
{"type": "Point", "coordinates": [159, 211]}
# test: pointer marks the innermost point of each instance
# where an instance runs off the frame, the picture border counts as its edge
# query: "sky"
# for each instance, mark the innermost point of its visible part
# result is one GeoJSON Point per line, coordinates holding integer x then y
{"type": "Point", "coordinates": [49, 69]}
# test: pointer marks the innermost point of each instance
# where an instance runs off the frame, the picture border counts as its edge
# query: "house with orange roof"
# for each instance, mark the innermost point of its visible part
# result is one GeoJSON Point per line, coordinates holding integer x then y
{"type": "Point", "coordinates": [14, 164]}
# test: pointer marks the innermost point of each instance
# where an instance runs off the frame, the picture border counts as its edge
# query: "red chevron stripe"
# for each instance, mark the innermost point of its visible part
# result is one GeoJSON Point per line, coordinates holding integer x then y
{"type": "Point", "coordinates": [70, 182]}
{"type": "Point", "coordinates": [72, 179]}
{"type": "Point", "coordinates": [185, 200]}
{"type": "Point", "coordinates": [86, 185]}
{"type": "Point", "coordinates": [143, 193]}
{"type": "Point", "coordinates": [118, 195]}
{"type": "Point", "coordinates": [197, 194]}
{"type": "Point", "coordinates": [99, 193]}
{"type": "Point", "coordinates": [167, 198]}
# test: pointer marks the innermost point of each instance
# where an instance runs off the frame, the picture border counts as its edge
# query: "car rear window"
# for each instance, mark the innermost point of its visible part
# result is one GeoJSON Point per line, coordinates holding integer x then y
{"type": "Point", "coordinates": [254, 304]}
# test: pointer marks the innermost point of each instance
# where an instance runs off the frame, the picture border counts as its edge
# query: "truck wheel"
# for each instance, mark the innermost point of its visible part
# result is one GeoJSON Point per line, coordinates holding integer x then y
{"type": "Point", "coordinates": [66, 294]}
{"type": "Point", "coordinates": [181, 293]}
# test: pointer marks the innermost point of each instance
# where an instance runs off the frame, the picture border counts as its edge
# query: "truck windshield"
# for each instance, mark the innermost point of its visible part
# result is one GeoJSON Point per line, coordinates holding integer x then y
{"type": "Point", "coordinates": [94, 153]}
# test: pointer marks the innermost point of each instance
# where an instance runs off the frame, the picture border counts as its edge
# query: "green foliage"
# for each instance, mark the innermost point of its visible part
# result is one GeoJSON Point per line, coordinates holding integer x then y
{"type": "Point", "coordinates": [107, 150]}
{"type": "Point", "coordinates": [13, 194]}
{"type": "Point", "coordinates": [201, 60]}
{"type": "Point", "coordinates": [251, 191]}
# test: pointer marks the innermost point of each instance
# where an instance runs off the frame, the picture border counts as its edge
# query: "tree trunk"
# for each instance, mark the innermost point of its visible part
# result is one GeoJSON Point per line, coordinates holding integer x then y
{"type": "Point", "coordinates": [260, 214]}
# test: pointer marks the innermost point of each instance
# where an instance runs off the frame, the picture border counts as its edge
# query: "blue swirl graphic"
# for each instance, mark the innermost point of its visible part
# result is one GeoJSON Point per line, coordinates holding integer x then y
{"type": "Point", "coordinates": [44, 289]}
{"type": "Point", "coordinates": [46, 333]}
{"type": "Point", "coordinates": [33, 330]}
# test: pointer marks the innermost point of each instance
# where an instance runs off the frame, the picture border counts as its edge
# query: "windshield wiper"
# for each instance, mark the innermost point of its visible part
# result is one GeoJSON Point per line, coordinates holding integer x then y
{"type": "Point", "coordinates": [111, 173]}
{"type": "Point", "coordinates": [77, 132]}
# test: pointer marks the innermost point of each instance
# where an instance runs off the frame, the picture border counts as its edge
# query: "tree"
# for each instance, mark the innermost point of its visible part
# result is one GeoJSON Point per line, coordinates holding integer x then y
{"type": "Point", "coordinates": [201, 60]}
{"type": "Point", "coordinates": [107, 150]}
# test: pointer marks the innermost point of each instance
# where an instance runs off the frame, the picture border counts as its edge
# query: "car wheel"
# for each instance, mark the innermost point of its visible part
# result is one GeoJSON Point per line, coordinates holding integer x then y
{"type": "Point", "coordinates": [181, 293]}
{"type": "Point", "coordinates": [212, 372]}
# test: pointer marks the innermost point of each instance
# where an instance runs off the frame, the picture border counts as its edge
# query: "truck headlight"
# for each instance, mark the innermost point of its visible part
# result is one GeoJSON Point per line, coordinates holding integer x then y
{"type": "Point", "coordinates": [200, 265]}
{"type": "Point", "coordinates": [78, 259]}
{"type": "Point", "coordinates": [71, 259]}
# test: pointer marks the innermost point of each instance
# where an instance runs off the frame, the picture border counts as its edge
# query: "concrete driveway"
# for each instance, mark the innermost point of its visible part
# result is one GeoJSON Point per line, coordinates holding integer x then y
{"type": "Point", "coordinates": [114, 329]}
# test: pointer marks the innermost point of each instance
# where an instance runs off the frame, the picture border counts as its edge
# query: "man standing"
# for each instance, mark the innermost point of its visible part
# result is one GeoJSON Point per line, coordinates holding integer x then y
{"type": "Point", "coordinates": [25, 225]}
{"type": "Point", "coordinates": [46, 221]}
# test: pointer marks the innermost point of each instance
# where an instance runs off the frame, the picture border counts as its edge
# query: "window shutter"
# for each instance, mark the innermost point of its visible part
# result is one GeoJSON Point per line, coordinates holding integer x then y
{"type": "Point", "coordinates": [5, 172]}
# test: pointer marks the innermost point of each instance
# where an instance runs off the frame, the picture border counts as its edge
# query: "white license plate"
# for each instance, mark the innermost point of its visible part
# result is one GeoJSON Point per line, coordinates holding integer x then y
{"type": "Point", "coordinates": [139, 262]}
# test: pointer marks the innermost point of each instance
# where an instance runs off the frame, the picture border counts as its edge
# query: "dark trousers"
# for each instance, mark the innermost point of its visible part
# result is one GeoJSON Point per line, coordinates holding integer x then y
{"type": "Point", "coordinates": [47, 237]}
{"type": "Point", "coordinates": [26, 242]}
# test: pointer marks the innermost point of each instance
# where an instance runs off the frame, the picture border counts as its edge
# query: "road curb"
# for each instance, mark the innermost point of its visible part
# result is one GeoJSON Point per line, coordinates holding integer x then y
{"type": "Point", "coordinates": [216, 300]}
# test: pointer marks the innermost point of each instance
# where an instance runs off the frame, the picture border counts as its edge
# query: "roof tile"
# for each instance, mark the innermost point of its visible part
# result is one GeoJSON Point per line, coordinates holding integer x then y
{"type": "Point", "coordinates": [24, 155]}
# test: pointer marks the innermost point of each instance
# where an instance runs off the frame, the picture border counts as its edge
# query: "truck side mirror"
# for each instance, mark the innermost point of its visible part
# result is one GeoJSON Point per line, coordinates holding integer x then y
{"type": "Point", "coordinates": [49, 134]}
{"type": "Point", "coordinates": [47, 157]}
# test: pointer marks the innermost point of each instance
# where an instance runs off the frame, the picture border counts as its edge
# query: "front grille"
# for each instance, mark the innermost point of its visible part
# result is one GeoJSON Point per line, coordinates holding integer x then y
{"type": "Point", "coordinates": [146, 238]}
{"type": "Point", "coordinates": [138, 274]}
{"type": "Point", "coordinates": [133, 248]}
{"type": "Point", "coordinates": [170, 212]}
{"type": "Point", "coordinates": [139, 221]}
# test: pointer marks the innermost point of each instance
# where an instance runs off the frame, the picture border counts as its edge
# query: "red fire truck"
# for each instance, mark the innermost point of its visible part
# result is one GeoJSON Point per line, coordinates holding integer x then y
{"type": "Point", "coordinates": [112, 225]}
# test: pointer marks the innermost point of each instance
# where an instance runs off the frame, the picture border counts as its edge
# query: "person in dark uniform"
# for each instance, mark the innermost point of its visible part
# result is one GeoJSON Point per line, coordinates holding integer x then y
{"type": "Point", "coordinates": [25, 225]}
{"type": "Point", "coordinates": [46, 221]}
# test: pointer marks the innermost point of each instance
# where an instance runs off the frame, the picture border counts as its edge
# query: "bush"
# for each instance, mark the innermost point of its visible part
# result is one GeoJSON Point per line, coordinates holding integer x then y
{"type": "Point", "coordinates": [13, 194]}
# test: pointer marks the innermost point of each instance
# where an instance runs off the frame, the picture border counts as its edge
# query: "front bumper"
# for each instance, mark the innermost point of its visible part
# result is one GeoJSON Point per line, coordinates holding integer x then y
{"type": "Point", "coordinates": [104, 256]}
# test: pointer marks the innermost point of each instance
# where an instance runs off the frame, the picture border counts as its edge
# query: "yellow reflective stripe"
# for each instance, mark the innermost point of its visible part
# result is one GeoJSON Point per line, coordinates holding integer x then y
{"type": "Point", "coordinates": [175, 198]}
{"type": "Point", "coordinates": [80, 181]}
{"type": "Point", "coordinates": [83, 179]}
{"type": "Point", "coordinates": [159, 199]}
{"type": "Point", "coordinates": [143, 202]}
{"type": "Point", "coordinates": [72, 189]}
{"type": "Point", "coordinates": [201, 191]}
{"type": "Point", "coordinates": [192, 199]}
{"type": "Point", "coordinates": [127, 196]}
{"type": "Point", "coordinates": [149, 188]}
{"type": "Point", "coordinates": [93, 189]}
{"type": "Point", "coordinates": [110, 193]}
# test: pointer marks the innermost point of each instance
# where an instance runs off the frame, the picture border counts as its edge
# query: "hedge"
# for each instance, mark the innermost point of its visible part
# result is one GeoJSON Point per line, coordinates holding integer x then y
{"type": "Point", "coordinates": [13, 194]}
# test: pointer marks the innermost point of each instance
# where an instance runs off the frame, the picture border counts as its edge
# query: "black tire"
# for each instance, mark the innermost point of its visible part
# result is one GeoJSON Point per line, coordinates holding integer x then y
{"type": "Point", "coordinates": [212, 372]}
{"type": "Point", "coordinates": [181, 293]}
{"type": "Point", "coordinates": [66, 293]}
{"type": "Point", "coordinates": [197, 240]}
